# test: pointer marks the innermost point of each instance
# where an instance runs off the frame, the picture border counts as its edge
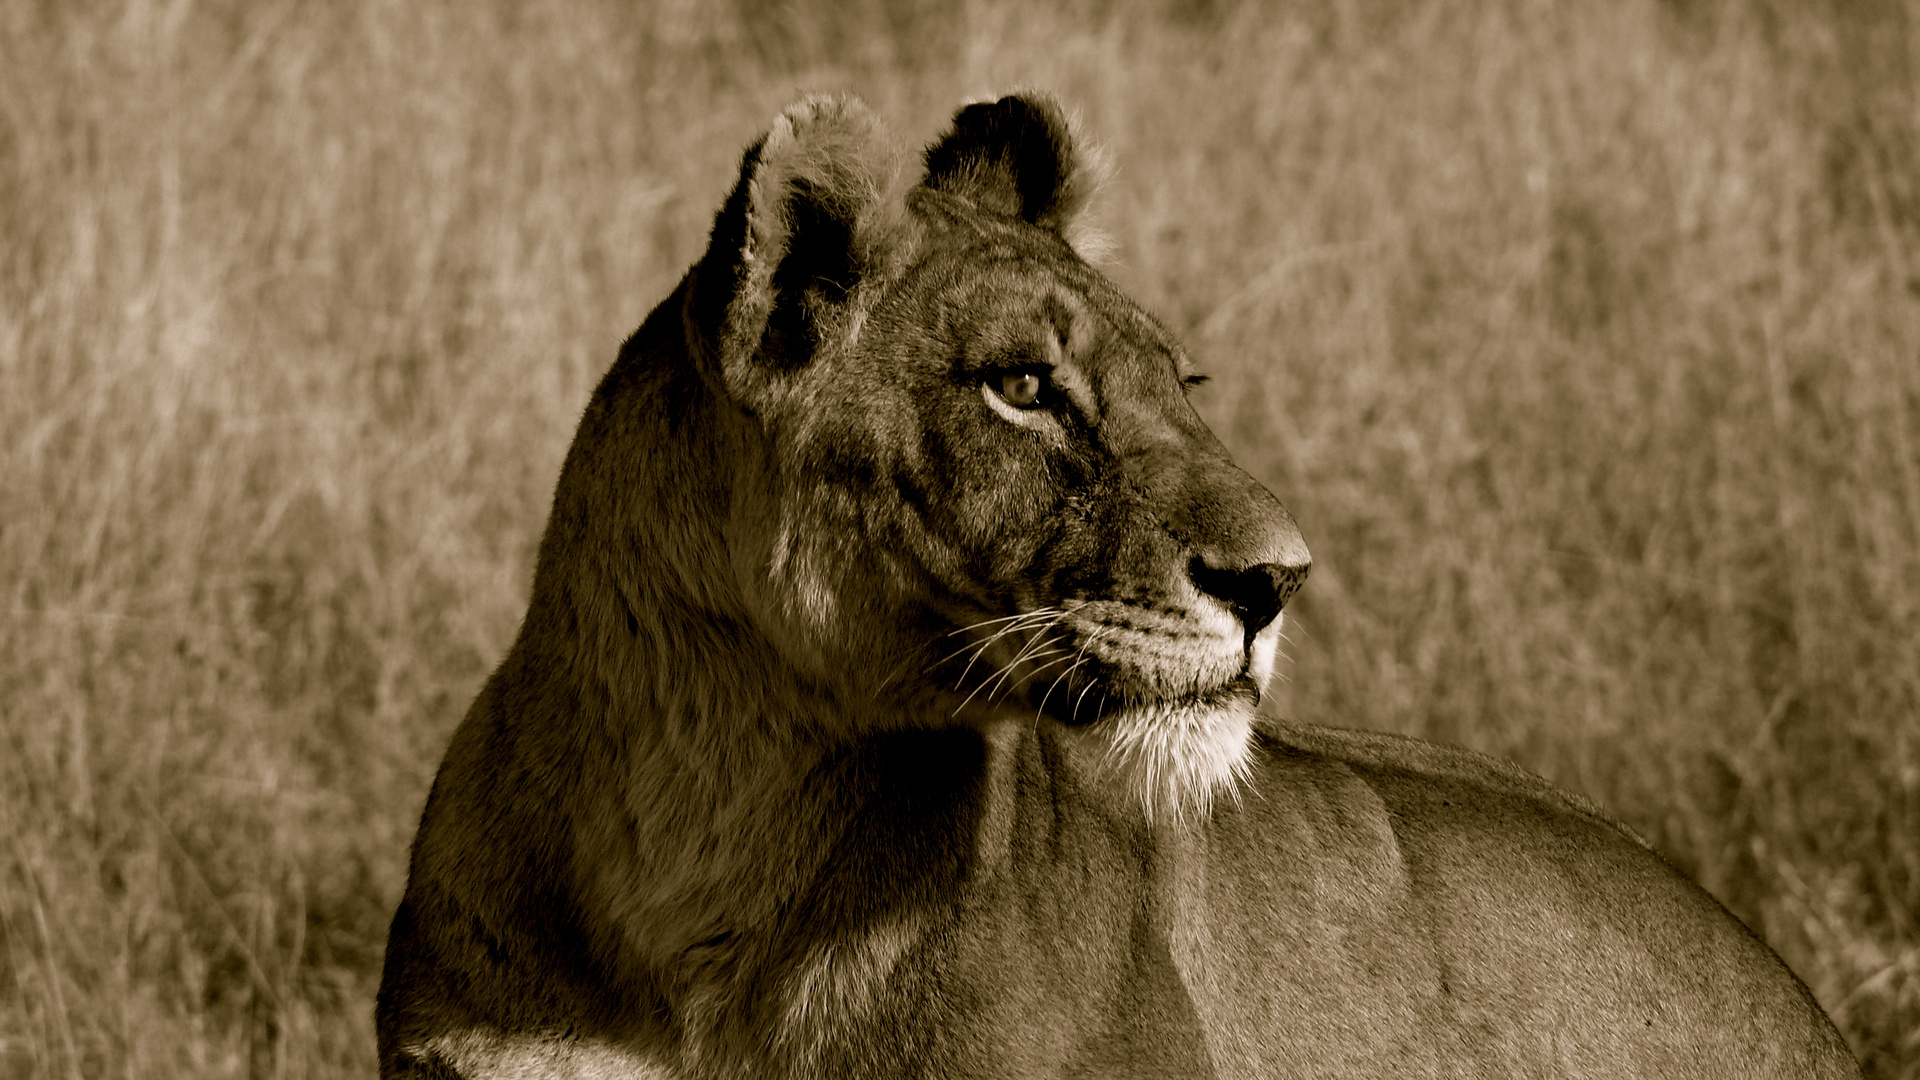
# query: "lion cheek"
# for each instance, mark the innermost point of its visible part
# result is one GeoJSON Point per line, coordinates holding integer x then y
{"type": "Point", "coordinates": [789, 595]}
{"type": "Point", "coordinates": [803, 612]}
{"type": "Point", "coordinates": [830, 603]}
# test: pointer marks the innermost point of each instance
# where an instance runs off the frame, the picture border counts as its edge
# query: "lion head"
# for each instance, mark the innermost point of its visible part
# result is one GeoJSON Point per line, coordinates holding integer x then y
{"type": "Point", "coordinates": [972, 477]}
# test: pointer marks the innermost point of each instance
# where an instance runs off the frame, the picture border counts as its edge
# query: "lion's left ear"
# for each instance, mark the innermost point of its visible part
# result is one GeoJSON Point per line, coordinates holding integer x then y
{"type": "Point", "coordinates": [1013, 157]}
{"type": "Point", "coordinates": [786, 250]}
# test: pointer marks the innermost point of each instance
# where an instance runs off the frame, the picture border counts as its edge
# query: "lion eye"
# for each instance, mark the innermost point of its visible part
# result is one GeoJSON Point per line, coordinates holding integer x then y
{"type": "Point", "coordinates": [1022, 388]}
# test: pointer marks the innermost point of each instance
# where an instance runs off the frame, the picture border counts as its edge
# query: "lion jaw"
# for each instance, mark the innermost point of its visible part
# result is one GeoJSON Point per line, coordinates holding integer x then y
{"type": "Point", "coordinates": [1175, 758]}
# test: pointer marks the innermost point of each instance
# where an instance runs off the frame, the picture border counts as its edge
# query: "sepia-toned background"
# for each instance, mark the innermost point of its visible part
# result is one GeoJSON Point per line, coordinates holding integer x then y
{"type": "Point", "coordinates": [1583, 340]}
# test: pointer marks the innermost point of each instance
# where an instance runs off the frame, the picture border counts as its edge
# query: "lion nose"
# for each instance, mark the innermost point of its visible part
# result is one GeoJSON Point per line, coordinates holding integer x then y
{"type": "Point", "coordinates": [1246, 551]}
{"type": "Point", "coordinates": [1254, 594]}
{"type": "Point", "coordinates": [1242, 546]}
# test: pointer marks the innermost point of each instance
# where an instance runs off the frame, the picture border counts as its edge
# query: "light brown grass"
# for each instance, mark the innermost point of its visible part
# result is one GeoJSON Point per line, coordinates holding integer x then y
{"type": "Point", "coordinates": [1583, 340]}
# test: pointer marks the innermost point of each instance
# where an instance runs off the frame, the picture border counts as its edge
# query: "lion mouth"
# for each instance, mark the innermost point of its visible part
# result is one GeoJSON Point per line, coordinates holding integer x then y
{"type": "Point", "coordinates": [1095, 700]}
{"type": "Point", "coordinates": [1083, 665]}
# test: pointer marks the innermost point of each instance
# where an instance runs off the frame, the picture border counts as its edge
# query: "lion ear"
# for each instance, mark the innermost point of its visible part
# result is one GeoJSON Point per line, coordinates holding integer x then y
{"type": "Point", "coordinates": [785, 252]}
{"type": "Point", "coordinates": [1014, 157]}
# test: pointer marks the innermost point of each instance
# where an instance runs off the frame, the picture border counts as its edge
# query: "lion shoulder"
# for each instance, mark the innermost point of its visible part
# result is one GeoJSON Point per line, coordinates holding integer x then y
{"type": "Point", "coordinates": [1391, 761]}
{"type": "Point", "coordinates": [1470, 881]}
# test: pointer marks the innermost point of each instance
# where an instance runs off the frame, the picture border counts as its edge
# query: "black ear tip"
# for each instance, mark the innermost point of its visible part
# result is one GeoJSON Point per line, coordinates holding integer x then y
{"type": "Point", "coordinates": [992, 113]}
{"type": "Point", "coordinates": [1012, 156]}
{"type": "Point", "coordinates": [1015, 119]}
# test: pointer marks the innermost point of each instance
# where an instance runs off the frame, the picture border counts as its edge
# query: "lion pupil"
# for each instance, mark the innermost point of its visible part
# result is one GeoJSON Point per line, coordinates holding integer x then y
{"type": "Point", "coordinates": [1021, 389]}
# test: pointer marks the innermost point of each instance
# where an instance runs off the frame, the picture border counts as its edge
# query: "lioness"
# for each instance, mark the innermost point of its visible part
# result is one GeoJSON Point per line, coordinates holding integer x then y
{"type": "Point", "coordinates": [885, 708]}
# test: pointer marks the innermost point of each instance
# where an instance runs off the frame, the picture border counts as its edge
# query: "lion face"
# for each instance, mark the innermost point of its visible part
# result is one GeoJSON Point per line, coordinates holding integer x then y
{"type": "Point", "coordinates": [981, 484]}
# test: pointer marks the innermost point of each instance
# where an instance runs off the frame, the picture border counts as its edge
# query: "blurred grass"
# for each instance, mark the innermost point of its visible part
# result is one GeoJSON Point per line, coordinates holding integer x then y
{"type": "Point", "coordinates": [1583, 340]}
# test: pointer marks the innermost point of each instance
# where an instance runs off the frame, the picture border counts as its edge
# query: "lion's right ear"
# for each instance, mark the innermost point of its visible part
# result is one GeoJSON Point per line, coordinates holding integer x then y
{"type": "Point", "coordinates": [1013, 157]}
{"type": "Point", "coordinates": [786, 252]}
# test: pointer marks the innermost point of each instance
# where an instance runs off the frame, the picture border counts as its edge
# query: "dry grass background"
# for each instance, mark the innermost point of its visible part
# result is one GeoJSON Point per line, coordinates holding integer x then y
{"type": "Point", "coordinates": [1583, 340]}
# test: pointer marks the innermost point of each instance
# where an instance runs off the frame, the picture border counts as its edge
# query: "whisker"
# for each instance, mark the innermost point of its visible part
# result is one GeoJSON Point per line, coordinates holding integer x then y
{"type": "Point", "coordinates": [1067, 674]}
{"type": "Point", "coordinates": [1038, 645]}
{"type": "Point", "coordinates": [1036, 619]}
{"type": "Point", "coordinates": [1061, 657]}
{"type": "Point", "coordinates": [991, 680]}
{"type": "Point", "coordinates": [1000, 619]}
{"type": "Point", "coordinates": [1014, 624]}
{"type": "Point", "coordinates": [1081, 657]}
{"type": "Point", "coordinates": [1030, 652]}
{"type": "Point", "coordinates": [1075, 714]}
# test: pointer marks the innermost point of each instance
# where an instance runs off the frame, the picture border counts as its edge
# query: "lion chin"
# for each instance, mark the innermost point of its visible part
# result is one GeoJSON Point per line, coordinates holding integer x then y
{"type": "Point", "coordinates": [1176, 758]}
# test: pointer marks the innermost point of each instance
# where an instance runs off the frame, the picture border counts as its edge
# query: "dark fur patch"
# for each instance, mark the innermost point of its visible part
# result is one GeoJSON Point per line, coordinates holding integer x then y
{"type": "Point", "coordinates": [1012, 157]}
{"type": "Point", "coordinates": [818, 269]}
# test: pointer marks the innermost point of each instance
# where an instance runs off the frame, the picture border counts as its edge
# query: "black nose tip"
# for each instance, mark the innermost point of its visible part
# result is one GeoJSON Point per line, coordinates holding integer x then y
{"type": "Point", "coordinates": [1255, 594]}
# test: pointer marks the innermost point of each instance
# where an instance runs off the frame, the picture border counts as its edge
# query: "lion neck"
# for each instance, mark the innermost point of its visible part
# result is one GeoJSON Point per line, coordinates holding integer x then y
{"type": "Point", "coordinates": [709, 772]}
